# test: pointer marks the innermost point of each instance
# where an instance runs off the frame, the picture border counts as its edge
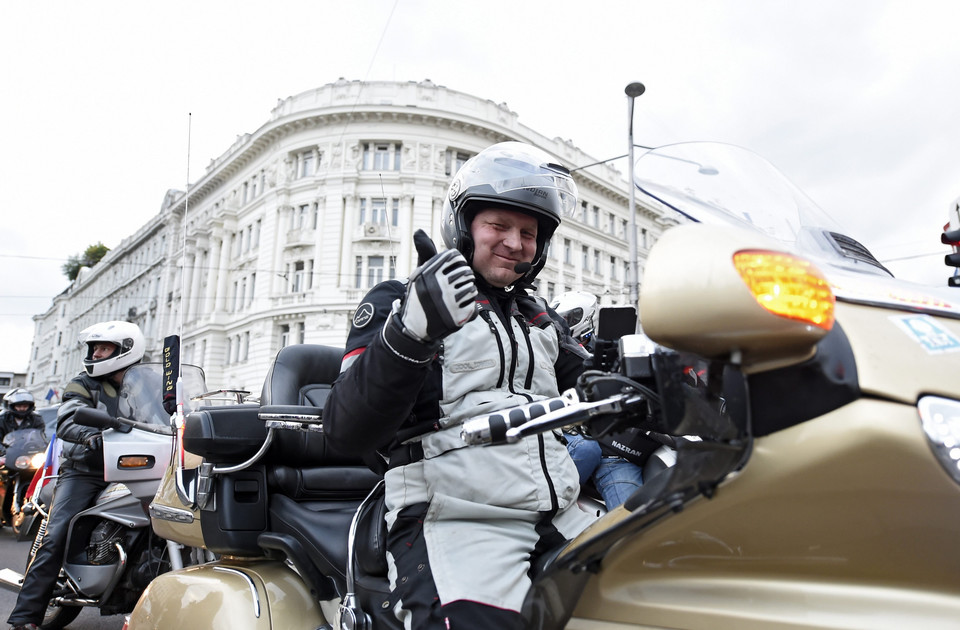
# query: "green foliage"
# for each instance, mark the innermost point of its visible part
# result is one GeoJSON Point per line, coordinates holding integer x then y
{"type": "Point", "coordinates": [91, 256]}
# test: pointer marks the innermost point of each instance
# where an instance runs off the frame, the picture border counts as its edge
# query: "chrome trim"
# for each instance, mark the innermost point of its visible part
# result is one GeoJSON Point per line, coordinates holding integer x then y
{"type": "Point", "coordinates": [172, 514]}
{"type": "Point", "coordinates": [250, 582]}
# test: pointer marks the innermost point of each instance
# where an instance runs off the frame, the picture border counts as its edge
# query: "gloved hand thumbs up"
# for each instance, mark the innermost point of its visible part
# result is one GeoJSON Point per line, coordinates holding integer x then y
{"type": "Point", "coordinates": [441, 294]}
{"type": "Point", "coordinates": [425, 247]}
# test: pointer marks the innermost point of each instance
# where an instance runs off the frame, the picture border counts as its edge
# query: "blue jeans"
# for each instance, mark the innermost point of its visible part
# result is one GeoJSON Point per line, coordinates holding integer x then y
{"type": "Point", "coordinates": [614, 477]}
{"type": "Point", "coordinates": [585, 454]}
{"type": "Point", "coordinates": [617, 479]}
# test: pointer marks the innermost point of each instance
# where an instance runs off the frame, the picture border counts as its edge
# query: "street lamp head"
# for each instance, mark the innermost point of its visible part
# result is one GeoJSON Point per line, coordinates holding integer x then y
{"type": "Point", "coordinates": [635, 89]}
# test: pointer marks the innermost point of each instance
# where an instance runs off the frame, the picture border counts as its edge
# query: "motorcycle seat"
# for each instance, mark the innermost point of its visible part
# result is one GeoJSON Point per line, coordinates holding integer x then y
{"type": "Point", "coordinates": [322, 527]}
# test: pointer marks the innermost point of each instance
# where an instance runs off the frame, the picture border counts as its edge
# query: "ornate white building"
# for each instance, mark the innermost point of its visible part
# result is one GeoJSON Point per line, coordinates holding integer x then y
{"type": "Point", "coordinates": [291, 225]}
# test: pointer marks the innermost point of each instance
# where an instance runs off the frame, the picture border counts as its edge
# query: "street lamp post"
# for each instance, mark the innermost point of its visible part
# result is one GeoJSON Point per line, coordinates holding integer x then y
{"type": "Point", "coordinates": [633, 90]}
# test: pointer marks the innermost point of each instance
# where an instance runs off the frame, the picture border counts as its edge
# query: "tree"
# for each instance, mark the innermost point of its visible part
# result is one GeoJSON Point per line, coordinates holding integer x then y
{"type": "Point", "coordinates": [90, 257]}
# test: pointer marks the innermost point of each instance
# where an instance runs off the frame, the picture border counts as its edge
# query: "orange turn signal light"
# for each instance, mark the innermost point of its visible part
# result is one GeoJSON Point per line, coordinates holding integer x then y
{"type": "Point", "coordinates": [135, 461]}
{"type": "Point", "coordinates": [788, 286]}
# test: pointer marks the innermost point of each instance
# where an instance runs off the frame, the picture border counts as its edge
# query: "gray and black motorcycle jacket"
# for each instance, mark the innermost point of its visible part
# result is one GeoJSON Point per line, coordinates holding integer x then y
{"type": "Point", "coordinates": [84, 391]}
{"type": "Point", "coordinates": [397, 391]}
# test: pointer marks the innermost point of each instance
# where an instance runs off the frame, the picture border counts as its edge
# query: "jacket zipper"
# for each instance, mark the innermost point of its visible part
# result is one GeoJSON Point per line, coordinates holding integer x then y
{"type": "Point", "coordinates": [496, 335]}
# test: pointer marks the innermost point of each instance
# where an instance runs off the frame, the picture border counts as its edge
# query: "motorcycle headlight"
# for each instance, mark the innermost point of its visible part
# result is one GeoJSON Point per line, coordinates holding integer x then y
{"type": "Point", "coordinates": [38, 460]}
{"type": "Point", "coordinates": [941, 422]}
{"type": "Point", "coordinates": [23, 462]}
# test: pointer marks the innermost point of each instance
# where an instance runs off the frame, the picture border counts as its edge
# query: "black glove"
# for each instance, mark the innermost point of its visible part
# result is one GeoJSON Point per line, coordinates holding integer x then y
{"type": "Point", "coordinates": [441, 293]}
{"type": "Point", "coordinates": [94, 442]}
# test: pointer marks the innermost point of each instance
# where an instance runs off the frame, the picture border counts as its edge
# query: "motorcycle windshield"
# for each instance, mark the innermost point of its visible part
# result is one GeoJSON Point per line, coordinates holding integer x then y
{"type": "Point", "coordinates": [23, 440]}
{"type": "Point", "coordinates": [141, 395]}
{"type": "Point", "coordinates": [715, 183]}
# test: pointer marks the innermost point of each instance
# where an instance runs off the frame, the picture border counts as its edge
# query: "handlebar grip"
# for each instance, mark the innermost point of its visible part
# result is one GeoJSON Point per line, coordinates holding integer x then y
{"type": "Point", "coordinates": [492, 428]}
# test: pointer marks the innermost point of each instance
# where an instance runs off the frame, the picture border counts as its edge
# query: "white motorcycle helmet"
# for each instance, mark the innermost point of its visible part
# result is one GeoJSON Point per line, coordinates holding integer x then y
{"type": "Point", "coordinates": [16, 397]}
{"type": "Point", "coordinates": [579, 309]}
{"type": "Point", "coordinates": [125, 336]}
{"type": "Point", "coordinates": [511, 175]}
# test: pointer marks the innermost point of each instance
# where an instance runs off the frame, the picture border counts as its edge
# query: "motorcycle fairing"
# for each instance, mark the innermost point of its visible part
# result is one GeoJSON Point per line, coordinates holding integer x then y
{"type": "Point", "coordinates": [713, 407]}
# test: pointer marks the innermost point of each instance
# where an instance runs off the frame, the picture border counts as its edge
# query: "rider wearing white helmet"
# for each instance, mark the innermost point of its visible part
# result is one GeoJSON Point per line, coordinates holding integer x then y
{"type": "Point", "coordinates": [111, 348]}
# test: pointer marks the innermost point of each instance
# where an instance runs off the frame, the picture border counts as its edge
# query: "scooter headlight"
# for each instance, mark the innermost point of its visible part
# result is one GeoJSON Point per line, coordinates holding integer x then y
{"type": "Point", "coordinates": [941, 422]}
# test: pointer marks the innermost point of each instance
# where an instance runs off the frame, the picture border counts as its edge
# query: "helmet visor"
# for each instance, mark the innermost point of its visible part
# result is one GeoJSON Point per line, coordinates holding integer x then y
{"type": "Point", "coordinates": [561, 187]}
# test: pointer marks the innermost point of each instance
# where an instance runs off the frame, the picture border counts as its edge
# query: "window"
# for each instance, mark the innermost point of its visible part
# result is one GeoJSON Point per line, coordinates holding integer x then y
{"type": "Point", "coordinates": [595, 217]}
{"type": "Point", "coordinates": [551, 291]}
{"type": "Point", "coordinates": [596, 261]}
{"type": "Point", "coordinates": [567, 252]}
{"type": "Point", "coordinates": [284, 335]}
{"type": "Point", "coordinates": [643, 238]}
{"type": "Point", "coordinates": [306, 161]}
{"type": "Point", "coordinates": [256, 233]}
{"type": "Point", "coordinates": [613, 268]}
{"type": "Point", "coordinates": [454, 161]}
{"type": "Point", "coordinates": [253, 284]}
{"type": "Point", "coordinates": [585, 258]}
{"type": "Point", "coordinates": [379, 156]}
{"type": "Point", "coordinates": [4, 381]}
{"type": "Point", "coordinates": [378, 211]}
{"type": "Point", "coordinates": [611, 223]}
{"type": "Point", "coordinates": [302, 217]}
{"type": "Point", "coordinates": [374, 270]}
{"type": "Point", "coordinates": [583, 211]}
{"type": "Point", "coordinates": [300, 279]}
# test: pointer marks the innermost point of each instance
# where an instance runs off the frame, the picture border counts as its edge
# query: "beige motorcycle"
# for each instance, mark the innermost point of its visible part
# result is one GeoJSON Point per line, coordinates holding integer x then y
{"type": "Point", "coordinates": [817, 478]}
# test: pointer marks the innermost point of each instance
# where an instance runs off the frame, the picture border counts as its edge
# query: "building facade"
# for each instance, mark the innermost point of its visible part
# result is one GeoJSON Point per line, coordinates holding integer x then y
{"type": "Point", "coordinates": [284, 233]}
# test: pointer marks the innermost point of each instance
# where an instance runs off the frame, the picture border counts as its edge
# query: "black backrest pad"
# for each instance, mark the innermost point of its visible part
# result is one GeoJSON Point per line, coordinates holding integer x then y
{"type": "Point", "coordinates": [301, 375]}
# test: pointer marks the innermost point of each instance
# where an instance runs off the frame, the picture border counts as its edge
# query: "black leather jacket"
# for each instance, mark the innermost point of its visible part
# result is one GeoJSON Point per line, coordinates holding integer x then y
{"type": "Point", "coordinates": [84, 391]}
{"type": "Point", "coordinates": [8, 422]}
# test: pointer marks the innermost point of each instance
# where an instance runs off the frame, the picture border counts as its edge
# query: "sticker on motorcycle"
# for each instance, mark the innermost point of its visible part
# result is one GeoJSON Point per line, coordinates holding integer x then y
{"type": "Point", "coordinates": [925, 330]}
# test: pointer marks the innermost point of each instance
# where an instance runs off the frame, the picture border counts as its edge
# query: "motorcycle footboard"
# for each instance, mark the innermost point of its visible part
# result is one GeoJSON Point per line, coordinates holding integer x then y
{"type": "Point", "coordinates": [11, 580]}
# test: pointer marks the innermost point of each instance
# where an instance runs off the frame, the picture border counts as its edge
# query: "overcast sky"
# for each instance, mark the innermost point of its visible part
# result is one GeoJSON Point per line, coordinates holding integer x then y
{"type": "Point", "coordinates": [857, 101]}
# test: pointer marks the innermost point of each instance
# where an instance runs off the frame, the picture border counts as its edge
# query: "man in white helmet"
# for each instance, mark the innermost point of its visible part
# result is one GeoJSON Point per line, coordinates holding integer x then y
{"type": "Point", "coordinates": [462, 338]}
{"type": "Point", "coordinates": [112, 347]}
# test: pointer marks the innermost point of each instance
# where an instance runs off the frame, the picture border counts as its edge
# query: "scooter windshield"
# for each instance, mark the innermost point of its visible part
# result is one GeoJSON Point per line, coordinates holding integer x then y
{"type": "Point", "coordinates": [141, 396]}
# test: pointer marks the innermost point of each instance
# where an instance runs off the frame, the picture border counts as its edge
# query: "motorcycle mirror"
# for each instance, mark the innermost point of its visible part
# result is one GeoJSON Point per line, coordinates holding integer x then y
{"type": "Point", "coordinates": [616, 321]}
{"type": "Point", "coordinates": [96, 418]}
